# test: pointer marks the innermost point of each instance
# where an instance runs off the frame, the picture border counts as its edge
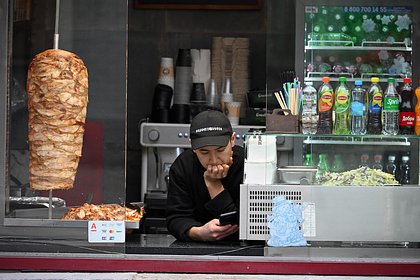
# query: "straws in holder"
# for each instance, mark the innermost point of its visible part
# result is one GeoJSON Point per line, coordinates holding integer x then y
{"type": "Point", "coordinates": [291, 98]}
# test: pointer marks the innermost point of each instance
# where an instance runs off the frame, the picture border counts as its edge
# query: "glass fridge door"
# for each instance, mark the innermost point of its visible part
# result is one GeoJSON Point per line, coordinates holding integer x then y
{"type": "Point", "coordinates": [354, 40]}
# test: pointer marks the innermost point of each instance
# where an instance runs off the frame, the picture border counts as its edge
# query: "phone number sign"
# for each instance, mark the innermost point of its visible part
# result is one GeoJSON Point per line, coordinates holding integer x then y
{"type": "Point", "coordinates": [378, 9]}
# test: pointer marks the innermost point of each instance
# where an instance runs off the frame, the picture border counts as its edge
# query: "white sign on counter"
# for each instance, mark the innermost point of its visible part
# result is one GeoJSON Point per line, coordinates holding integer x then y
{"type": "Point", "coordinates": [309, 222]}
{"type": "Point", "coordinates": [106, 231]}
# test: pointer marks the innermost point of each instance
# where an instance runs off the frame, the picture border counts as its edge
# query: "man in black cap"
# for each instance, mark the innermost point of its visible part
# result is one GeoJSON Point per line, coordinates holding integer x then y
{"type": "Point", "coordinates": [204, 181]}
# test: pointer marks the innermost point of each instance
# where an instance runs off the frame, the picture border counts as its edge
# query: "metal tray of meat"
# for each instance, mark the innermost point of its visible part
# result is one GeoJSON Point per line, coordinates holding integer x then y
{"type": "Point", "coordinates": [39, 217]}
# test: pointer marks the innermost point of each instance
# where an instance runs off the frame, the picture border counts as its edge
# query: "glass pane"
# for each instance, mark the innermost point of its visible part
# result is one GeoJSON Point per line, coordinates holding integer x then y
{"type": "Point", "coordinates": [357, 42]}
{"type": "Point", "coordinates": [99, 39]}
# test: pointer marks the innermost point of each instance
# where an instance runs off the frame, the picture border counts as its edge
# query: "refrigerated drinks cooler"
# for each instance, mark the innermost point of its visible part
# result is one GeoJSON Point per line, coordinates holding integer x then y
{"type": "Point", "coordinates": [356, 40]}
{"type": "Point", "coordinates": [356, 204]}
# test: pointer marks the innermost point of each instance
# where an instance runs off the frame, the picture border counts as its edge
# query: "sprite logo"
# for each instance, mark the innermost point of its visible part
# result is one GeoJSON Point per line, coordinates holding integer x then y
{"type": "Point", "coordinates": [391, 103]}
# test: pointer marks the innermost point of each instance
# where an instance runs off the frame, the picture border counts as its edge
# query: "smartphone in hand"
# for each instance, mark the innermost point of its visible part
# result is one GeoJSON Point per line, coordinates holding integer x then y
{"type": "Point", "coordinates": [229, 218]}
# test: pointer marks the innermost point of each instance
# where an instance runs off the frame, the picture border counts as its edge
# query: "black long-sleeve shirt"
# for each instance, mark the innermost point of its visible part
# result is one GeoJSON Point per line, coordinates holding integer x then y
{"type": "Point", "coordinates": [189, 203]}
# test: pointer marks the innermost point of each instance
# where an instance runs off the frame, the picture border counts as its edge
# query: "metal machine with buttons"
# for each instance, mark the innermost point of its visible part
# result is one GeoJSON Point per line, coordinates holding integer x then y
{"type": "Point", "coordinates": [161, 144]}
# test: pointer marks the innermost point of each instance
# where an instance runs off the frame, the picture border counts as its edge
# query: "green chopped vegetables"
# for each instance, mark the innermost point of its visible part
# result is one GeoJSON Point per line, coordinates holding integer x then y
{"type": "Point", "coordinates": [362, 176]}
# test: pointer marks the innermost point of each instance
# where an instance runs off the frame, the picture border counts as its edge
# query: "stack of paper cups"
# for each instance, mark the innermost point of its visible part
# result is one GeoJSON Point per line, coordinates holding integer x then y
{"type": "Point", "coordinates": [166, 72]}
{"type": "Point", "coordinates": [183, 77]}
{"type": "Point", "coordinates": [233, 110]}
{"type": "Point", "coordinates": [226, 97]}
{"type": "Point", "coordinates": [213, 96]}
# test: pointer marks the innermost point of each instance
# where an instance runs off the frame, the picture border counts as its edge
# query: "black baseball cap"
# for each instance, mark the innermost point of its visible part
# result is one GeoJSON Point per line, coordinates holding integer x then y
{"type": "Point", "coordinates": [210, 128]}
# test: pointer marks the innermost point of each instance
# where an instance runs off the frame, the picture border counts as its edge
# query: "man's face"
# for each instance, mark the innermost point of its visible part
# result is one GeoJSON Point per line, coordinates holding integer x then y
{"type": "Point", "coordinates": [216, 155]}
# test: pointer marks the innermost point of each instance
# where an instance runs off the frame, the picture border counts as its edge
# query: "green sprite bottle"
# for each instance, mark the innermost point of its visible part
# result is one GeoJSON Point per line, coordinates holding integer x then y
{"type": "Point", "coordinates": [337, 165]}
{"type": "Point", "coordinates": [308, 160]}
{"type": "Point", "coordinates": [323, 166]}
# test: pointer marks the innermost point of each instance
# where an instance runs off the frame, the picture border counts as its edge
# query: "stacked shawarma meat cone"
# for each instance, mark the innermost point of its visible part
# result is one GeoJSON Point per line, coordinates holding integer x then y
{"type": "Point", "coordinates": [57, 88]}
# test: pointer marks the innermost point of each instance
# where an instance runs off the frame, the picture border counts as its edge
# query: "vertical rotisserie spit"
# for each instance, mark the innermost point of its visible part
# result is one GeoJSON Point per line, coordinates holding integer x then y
{"type": "Point", "coordinates": [57, 88]}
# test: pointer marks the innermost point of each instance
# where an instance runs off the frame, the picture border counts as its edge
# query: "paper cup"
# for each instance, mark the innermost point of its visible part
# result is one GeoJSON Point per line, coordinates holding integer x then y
{"type": "Point", "coordinates": [225, 97]}
{"type": "Point", "coordinates": [166, 72]}
{"type": "Point", "coordinates": [233, 110]}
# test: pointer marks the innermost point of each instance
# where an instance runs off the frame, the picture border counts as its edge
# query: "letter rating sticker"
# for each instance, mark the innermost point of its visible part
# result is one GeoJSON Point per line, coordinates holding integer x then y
{"type": "Point", "coordinates": [106, 231]}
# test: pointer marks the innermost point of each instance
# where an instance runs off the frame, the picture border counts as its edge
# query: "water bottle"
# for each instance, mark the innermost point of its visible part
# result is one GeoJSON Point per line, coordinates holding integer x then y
{"type": "Point", "coordinates": [342, 108]}
{"type": "Point", "coordinates": [407, 116]}
{"type": "Point", "coordinates": [390, 166]}
{"type": "Point", "coordinates": [309, 111]}
{"type": "Point", "coordinates": [325, 106]}
{"type": "Point", "coordinates": [377, 162]}
{"type": "Point", "coordinates": [375, 97]}
{"type": "Point", "coordinates": [391, 111]}
{"type": "Point", "coordinates": [405, 170]}
{"type": "Point", "coordinates": [358, 109]}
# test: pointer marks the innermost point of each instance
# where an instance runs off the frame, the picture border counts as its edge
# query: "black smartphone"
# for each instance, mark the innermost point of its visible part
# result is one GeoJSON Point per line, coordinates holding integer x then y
{"type": "Point", "coordinates": [229, 218]}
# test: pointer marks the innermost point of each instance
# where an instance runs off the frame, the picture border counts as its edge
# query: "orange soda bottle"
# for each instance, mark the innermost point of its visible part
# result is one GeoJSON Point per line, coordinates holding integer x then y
{"type": "Point", "coordinates": [417, 110]}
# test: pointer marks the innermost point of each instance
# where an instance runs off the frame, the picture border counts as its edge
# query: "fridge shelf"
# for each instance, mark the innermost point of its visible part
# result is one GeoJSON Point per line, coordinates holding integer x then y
{"type": "Point", "coordinates": [357, 48]}
{"type": "Point", "coordinates": [317, 76]}
{"type": "Point", "coordinates": [383, 140]}
{"type": "Point", "coordinates": [349, 45]}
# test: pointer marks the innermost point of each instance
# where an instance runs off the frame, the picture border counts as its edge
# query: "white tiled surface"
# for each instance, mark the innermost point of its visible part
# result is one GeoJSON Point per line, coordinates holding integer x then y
{"type": "Point", "coordinates": [163, 276]}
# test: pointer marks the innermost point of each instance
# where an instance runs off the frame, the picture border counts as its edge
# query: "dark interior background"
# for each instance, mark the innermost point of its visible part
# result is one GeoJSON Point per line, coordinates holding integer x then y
{"type": "Point", "coordinates": [157, 33]}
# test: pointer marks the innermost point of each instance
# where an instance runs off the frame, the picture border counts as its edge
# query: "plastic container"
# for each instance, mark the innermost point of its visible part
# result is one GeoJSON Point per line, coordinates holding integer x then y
{"type": "Point", "coordinates": [405, 170]}
{"type": "Point", "coordinates": [407, 115]}
{"type": "Point", "coordinates": [342, 108]}
{"type": "Point", "coordinates": [391, 111]}
{"type": "Point", "coordinates": [337, 165]}
{"type": "Point", "coordinates": [309, 111]}
{"type": "Point", "coordinates": [325, 107]}
{"type": "Point", "coordinates": [377, 162]}
{"type": "Point", "coordinates": [390, 166]}
{"type": "Point", "coordinates": [358, 109]}
{"type": "Point", "coordinates": [375, 98]}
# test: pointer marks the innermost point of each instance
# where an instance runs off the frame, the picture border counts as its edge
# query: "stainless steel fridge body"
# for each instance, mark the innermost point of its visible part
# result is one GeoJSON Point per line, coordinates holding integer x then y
{"type": "Point", "coordinates": [335, 211]}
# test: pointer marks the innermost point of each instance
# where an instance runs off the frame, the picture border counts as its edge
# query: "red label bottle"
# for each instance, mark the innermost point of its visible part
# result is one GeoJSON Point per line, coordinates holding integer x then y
{"type": "Point", "coordinates": [407, 115]}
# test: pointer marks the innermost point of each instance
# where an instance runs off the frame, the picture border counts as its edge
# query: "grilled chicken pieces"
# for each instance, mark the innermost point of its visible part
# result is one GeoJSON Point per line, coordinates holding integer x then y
{"type": "Point", "coordinates": [57, 88]}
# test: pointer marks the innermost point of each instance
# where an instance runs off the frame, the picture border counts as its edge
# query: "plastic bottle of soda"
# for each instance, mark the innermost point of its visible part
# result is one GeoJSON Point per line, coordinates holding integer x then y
{"type": "Point", "coordinates": [342, 108]}
{"type": "Point", "coordinates": [375, 97]}
{"type": "Point", "coordinates": [309, 111]}
{"type": "Point", "coordinates": [337, 165]}
{"type": "Point", "coordinates": [417, 110]}
{"type": "Point", "coordinates": [323, 166]}
{"type": "Point", "coordinates": [407, 115]}
{"type": "Point", "coordinates": [325, 107]}
{"type": "Point", "coordinates": [405, 170]}
{"type": "Point", "coordinates": [364, 160]}
{"type": "Point", "coordinates": [377, 162]}
{"type": "Point", "coordinates": [391, 111]}
{"type": "Point", "coordinates": [390, 166]}
{"type": "Point", "coordinates": [308, 160]}
{"type": "Point", "coordinates": [358, 109]}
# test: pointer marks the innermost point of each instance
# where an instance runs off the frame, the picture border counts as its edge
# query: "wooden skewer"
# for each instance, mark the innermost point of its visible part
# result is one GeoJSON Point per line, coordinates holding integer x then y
{"type": "Point", "coordinates": [280, 101]}
{"type": "Point", "coordinates": [292, 100]}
